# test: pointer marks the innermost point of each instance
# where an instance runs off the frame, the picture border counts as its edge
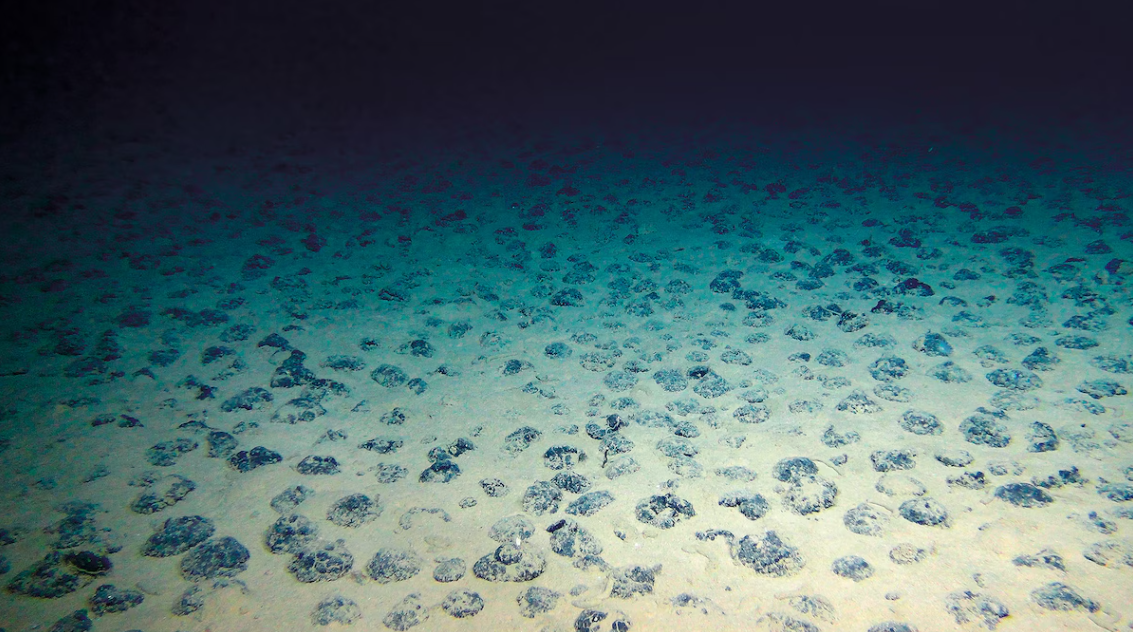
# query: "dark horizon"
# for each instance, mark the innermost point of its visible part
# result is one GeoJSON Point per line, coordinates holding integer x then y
{"type": "Point", "coordinates": [377, 64]}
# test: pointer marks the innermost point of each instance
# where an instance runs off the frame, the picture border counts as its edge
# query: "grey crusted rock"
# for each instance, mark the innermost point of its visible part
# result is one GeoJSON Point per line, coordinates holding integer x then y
{"type": "Point", "coordinates": [752, 413]}
{"type": "Point", "coordinates": [563, 457]}
{"type": "Point", "coordinates": [291, 534]}
{"type": "Point", "coordinates": [920, 422]}
{"type": "Point", "coordinates": [735, 356]}
{"type": "Point", "coordinates": [968, 480]}
{"type": "Point", "coordinates": [570, 539]}
{"type": "Point", "coordinates": [1015, 379]}
{"type": "Point", "coordinates": [1023, 495]}
{"type": "Point", "coordinates": [291, 372]}
{"type": "Point", "coordinates": [511, 528]}
{"type": "Point", "coordinates": [382, 446]}
{"type": "Point", "coordinates": [459, 329]}
{"type": "Point", "coordinates": [510, 563]}
{"type": "Point", "coordinates": [852, 567]}
{"type": "Point", "coordinates": [905, 554]}
{"type": "Point", "coordinates": [343, 363]}
{"type": "Point", "coordinates": [557, 350]}
{"type": "Point", "coordinates": [1014, 400]}
{"type": "Point", "coordinates": [1098, 389]}
{"type": "Point", "coordinates": [354, 510]}
{"type": "Point", "coordinates": [619, 381]}
{"type": "Point", "coordinates": [1041, 359]}
{"type": "Point", "coordinates": [1045, 558]}
{"type": "Point", "coordinates": [712, 386]}
{"type": "Point", "coordinates": [109, 598]}
{"type": "Point", "coordinates": [753, 506]}
{"type": "Point", "coordinates": [494, 487]}
{"type": "Point", "coordinates": [810, 494]}
{"type": "Point", "coordinates": [407, 518]}
{"type": "Point", "coordinates": [321, 563]}
{"type": "Point", "coordinates": [858, 403]}
{"type": "Point", "coordinates": [990, 356]}
{"type": "Point", "coordinates": [77, 528]}
{"type": "Point", "coordinates": [178, 535]}
{"type": "Point", "coordinates": [418, 348]}
{"type": "Point", "coordinates": [1078, 404]}
{"type": "Point", "coordinates": [677, 446]}
{"type": "Point", "coordinates": [571, 482]}
{"type": "Point", "coordinates": [799, 332]}
{"type": "Point", "coordinates": [892, 626]}
{"type": "Point", "coordinates": [866, 519]}
{"type": "Point", "coordinates": [871, 341]}
{"type": "Point", "coordinates": [1061, 478]}
{"type": "Point", "coordinates": [1117, 492]}
{"type": "Point", "coordinates": [951, 373]}
{"type": "Point", "coordinates": [389, 376]}
{"type": "Point", "coordinates": [631, 581]}
{"type": "Point", "coordinates": [409, 612]}
{"type": "Point", "coordinates": [888, 368]}
{"type": "Point", "coordinates": [954, 458]}
{"type": "Point", "coordinates": [254, 398]}
{"type": "Point", "coordinates": [850, 322]}
{"type": "Point", "coordinates": [443, 470]}
{"type": "Point", "coordinates": [541, 498]}
{"type": "Point", "coordinates": [737, 473]}
{"type": "Point", "coordinates": [893, 393]}
{"type": "Point", "coordinates": [1110, 553]}
{"type": "Point", "coordinates": [1041, 438]}
{"type": "Point", "coordinates": [393, 565]}
{"type": "Point", "coordinates": [833, 358]}
{"type": "Point", "coordinates": [454, 449]}
{"type": "Point", "coordinates": [173, 489]}
{"type": "Point", "coordinates": [77, 621]}
{"type": "Point", "coordinates": [314, 465]}
{"type": "Point", "coordinates": [1064, 598]}
{"type": "Point", "coordinates": [621, 466]}
{"type": "Point", "coordinates": [663, 511]}
{"type": "Point", "coordinates": [670, 380]}
{"type": "Point", "coordinates": [461, 604]}
{"type": "Point", "coordinates": [685, 466]}
{"type": "Point", "coordinates": [521, 439]}
{"type": "Point", "coordinates": [615, 443]}
{"type": "Point", "coordinates": [815, 606]}
{"type": "Point", "coordinates": [768, 555]}
{"type": "Point", "coordinates": [336, 609]}
{"type": "Point", "coordinates": [537, 600]}
{"type": "Point", "coordinates": [247, 460]}
{"type": "Point", "coordinates": [306, 408]}
{"type": "Point", "coordinates": [925, 511]}
{"type": "Point", "coordinates": [688, 603]}
{"type": "Point", "coordinates": [590, 503]}
{"type": "Point", "coordinates": [50, 578]}
{"type": "Point", "coordinates": [449, 570]}
{"type": "Point", "coordinates": [985, 429]}
{"type": "Point", "coordinates": [568, 297]}
{"type": "Point", "coordinates": [792, 469]}
{"type": "Point", "coordinates": [894, 485]}
{"type": "Point", "coordinates": [220, 444]}
{"type": "Point", "coordinates": [221, 557]}
{"type": "Point", "coordinates": [893, 460]}
{"type": "Point", "coordinates": [933, 344]}
{"type": "Point", "coordinates": [166, 453]}
{"type": "Point", "coordinates": [812, 406]}
{"type": "Point", "coordinates": [1112, 363]}
{"type": "Point", "coordinates": [591, 620]}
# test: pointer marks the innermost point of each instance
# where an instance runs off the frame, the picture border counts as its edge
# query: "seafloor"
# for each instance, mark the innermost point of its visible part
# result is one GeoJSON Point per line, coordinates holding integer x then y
{"type": "Point", "coordinates": [521, 378]}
